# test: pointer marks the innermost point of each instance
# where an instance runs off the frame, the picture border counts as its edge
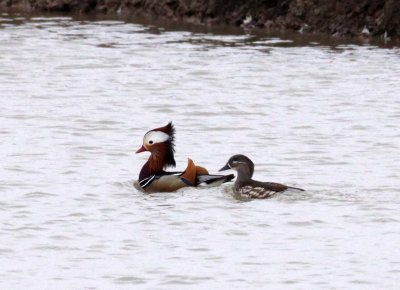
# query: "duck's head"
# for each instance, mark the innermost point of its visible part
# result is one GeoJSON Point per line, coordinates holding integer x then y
{"type": "Point", "coordinates": [240, 163]}
{"type": "Point", "coordinates": [160, 143]}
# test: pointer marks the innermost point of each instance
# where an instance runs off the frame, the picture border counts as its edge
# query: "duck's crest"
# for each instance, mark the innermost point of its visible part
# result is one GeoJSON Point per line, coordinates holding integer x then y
{"type": "Point", "coordinates": [170, 144]}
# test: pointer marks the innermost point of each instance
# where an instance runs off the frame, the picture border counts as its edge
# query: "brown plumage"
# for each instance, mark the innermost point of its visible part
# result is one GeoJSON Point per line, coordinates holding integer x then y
{"type": "Point", "coordinates": [245, 187]}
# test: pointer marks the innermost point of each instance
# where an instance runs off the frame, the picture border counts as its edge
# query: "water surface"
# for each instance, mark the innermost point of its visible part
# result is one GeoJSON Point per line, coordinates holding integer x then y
{"type": "Point", "coordinates": [77, 97]}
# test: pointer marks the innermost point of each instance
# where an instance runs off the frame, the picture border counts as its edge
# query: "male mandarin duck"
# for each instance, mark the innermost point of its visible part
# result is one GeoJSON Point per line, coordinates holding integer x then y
{"type": "Point", "coordinates": [153, 177]}
{"type": "Point", "coordinates": [247, 188]}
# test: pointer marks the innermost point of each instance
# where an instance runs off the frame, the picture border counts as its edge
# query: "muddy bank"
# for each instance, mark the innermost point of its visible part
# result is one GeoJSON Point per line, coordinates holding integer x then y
{"type": "Point", "coordinates": [339, 18]}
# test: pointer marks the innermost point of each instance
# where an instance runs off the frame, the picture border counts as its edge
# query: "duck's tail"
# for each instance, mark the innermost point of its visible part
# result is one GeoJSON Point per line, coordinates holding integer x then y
{"type": "Point", "coordinates": [296, 188]}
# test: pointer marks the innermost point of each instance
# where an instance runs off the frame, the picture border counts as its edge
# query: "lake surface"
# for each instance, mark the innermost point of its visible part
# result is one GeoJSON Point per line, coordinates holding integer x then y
{"type": "Point", "coordinates": [76, 98]}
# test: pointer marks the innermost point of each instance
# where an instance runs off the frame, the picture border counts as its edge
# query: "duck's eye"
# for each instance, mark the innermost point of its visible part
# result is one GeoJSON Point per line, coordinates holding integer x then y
{"type": "Point", "coordinates": [151, 142]}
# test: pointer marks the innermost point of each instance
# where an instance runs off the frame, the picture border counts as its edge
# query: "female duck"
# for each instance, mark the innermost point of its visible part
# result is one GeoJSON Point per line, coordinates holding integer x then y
{"type": "Point", "coordinates": [247, 188]}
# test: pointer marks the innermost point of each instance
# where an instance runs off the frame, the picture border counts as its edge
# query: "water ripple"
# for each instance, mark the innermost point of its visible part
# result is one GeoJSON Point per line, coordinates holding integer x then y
{"type": "Point", "coordinates": [77, 97]}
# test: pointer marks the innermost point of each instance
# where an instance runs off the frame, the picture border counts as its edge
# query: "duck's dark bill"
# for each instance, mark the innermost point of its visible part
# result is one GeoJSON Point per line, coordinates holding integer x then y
{"type": "Point", "coordinates": [226, 167]}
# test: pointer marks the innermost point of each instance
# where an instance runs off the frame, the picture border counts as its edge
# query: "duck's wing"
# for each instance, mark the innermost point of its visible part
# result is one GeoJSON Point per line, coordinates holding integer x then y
{"type": "Point", "coordinates": [257, 189]}
{"type": "Point", "coordinates": [279, 187]}
{"type": "Point", "coordinates": [213, 180]}
{"type": "Point", "coordinates": [273, 186]}
{"type": "Point", "coordinates": [166, 182]}
{"type": "Point", "coordinates": [249, 192]}
{"type": "Point", "coordinates": [148, 180]}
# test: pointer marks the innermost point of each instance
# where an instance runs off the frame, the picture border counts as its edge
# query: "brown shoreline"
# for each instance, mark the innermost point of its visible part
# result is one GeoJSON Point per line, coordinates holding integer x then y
{"type": "Point", "coordinates": [376, 18]}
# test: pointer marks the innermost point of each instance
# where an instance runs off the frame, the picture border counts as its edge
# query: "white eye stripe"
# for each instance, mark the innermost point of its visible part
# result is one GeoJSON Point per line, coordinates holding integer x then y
{"type": "Point", "coordinates": [236, 162]}
{"type": "Point", "coordinates": [155, 137]}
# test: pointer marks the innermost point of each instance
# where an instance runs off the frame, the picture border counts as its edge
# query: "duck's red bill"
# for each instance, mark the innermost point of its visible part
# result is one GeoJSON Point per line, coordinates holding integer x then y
{"type": "Point", "coordinates": [141, 149]}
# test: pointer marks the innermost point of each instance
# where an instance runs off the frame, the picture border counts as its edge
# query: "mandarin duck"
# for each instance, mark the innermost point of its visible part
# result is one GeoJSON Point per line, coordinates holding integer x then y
{"type": "Point", "coordinates": [247, 188]}
{"type": "Point", "coordinates": [153, 177]}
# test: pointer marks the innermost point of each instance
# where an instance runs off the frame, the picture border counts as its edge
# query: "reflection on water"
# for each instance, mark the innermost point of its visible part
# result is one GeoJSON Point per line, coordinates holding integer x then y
{"type": "Point", "coordinates": [77, 97]}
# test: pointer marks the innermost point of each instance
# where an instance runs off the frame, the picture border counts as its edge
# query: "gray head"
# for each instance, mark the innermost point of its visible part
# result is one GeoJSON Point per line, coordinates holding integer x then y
{"type": "Point", "coordinates": [240, 163]}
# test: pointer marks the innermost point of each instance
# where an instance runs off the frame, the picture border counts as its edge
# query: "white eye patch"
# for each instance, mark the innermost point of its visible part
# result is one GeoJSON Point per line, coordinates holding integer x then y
{"type": "Point", "coordinates": [154, 137]}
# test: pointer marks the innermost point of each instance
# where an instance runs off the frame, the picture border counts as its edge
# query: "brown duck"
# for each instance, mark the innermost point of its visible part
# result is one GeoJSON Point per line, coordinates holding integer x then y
{"type": "Point", "coordinates": [247, 188]}
{"type": "Point", "coordinates": [153, 177]}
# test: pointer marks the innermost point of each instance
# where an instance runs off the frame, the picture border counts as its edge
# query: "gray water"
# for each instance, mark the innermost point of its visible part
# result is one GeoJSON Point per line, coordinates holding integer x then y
{"type": "Point", "coordinates": [77, 97]}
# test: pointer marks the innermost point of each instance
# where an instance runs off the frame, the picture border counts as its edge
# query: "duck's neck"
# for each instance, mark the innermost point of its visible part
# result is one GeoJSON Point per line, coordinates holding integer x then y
{"type": "Point", "coordinates": [155, 165]}
{"type": "Point", "coordinates": [244, 174]}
